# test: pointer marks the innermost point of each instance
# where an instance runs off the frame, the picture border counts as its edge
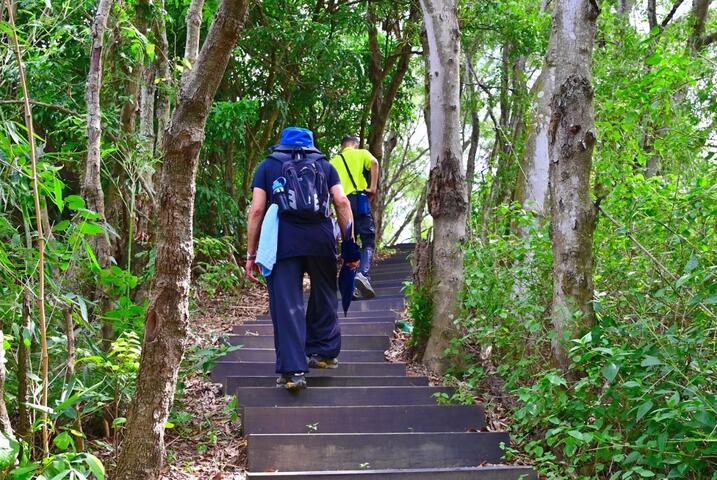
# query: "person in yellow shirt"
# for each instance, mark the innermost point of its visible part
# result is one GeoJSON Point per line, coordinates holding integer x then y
{"type": "Point", "coordinates": [352, 164]}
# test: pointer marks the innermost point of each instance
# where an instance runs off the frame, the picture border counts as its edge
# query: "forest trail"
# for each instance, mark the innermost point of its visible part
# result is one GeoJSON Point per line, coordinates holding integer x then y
{"type": "Point", "coordinates": [367, 417]}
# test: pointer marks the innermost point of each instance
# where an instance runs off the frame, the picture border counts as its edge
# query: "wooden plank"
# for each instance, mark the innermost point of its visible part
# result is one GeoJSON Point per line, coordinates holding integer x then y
{"type": "Point", "coordinates": [268, 355]}
{"type": "Point", "coordinates": [379, 315]}
{"type": "Point", "coordinates": [337, 396]}
{"type": "Point", "coordinates": [363, 419]}
{"type": "Point", "coordinates": [464, 473]}
{"type": "Point", "coordinates": [270, 381]}
{"type": "Point", "coordinates": [222, 370]}
{"type": "Point", "coordinates": [348, 328]}
{"type": "Point", "coordinates": [348, 342]}
{"type": "Point", "coordinates": [339, 451]}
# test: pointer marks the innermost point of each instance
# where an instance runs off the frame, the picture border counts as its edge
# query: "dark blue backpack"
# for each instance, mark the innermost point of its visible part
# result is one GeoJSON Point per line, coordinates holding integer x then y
{"type": "Point", "coordinates": [304, 193]}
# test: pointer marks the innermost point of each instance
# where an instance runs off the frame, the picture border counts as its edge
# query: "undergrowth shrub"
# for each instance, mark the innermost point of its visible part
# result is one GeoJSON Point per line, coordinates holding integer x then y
{"type": "Point", "coordinates": [643, 403]}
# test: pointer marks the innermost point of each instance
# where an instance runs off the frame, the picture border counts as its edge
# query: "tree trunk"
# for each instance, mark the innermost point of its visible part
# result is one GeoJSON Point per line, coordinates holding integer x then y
{"type": "Point", "coordinates": [142, 452]}
{"type": "Point", "coordinates": [381, 201]}
{"type": "Point", "coordinates": [5, 426]}
{"type": "Point", "coordinates": [24, 421]}
{"type": "Point", "coordinates": [572, 138]}
{"type": "Point", "coordinates": [162, 105]}
{"type": "Point", "coordinates": [194, 31]}
{"type": "Point", "coordinates": [39, 222]}
{"type": "Point", "coordinates": [532, 188]}
{"type": "Point", "coordinates": [70, 370]}
{"type": "Point", "coordinates": [447, 190]}
{"type": "Point", "coordinates": [92, 182]}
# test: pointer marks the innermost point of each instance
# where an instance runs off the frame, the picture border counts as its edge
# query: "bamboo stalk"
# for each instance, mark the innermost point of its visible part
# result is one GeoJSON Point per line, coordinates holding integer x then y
{"type": "Point", "coordinates": [44, 360]}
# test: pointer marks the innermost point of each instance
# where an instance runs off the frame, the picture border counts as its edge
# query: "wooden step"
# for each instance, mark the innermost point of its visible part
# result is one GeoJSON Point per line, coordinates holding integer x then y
{"type": "Point", "coordinates": [222, 370]}
{"type": "Point", "coordinates": [348, 342]}
{"type": "Point", "coordinates": [363, 419]}
{"type": "Point", "coordinates": [337, 396]}
{"type": "Point", "coordinates": [462, 473]}
{"type": "Point", "coordinates": [268, 355]}
{"type": "Point", "coordinates": [270, 381]}
{"type": "Point", "coordinates": [343, 451]}
{"type": "Point", "coordinates": [367, 316]}
{"type": "Point", "coordinates": [347, 328]}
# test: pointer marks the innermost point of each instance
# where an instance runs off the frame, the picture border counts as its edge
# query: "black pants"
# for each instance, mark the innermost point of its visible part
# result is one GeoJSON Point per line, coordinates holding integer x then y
{"type": "Point", "coordinates": [298, 333]}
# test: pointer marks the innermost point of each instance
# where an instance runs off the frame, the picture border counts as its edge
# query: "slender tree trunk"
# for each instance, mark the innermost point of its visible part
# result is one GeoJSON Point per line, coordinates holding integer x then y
{"type": "Point", "coordinates": [92, 182]}
{"type": "Point", "coordinates": [194, 31]}
{"type": "Point", "coordinates": [24, 420]}
{"type": "Point", "coordinates": [162, 105]}
{"type": "Point", "coordinates": [5, 426]}
{"type": "Point", "coordinates": [447, 190]}
{"type": "Point", "coordinates": [532, 188]}
{"type": "Point", "coordinates": [70, 370]}
{"type": "Point", "coordinates": [572, 138]}
{"type": "Point", "coordinates": [143, 450]}
{"type": "Point", "coordinates": [44, 357]}
{"type": "Point", "coordinates": [381, 200]}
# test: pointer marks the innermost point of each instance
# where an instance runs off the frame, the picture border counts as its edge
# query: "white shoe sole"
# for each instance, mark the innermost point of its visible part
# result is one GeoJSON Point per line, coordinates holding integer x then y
{"type": "Point", "coordinates": [365, 288]}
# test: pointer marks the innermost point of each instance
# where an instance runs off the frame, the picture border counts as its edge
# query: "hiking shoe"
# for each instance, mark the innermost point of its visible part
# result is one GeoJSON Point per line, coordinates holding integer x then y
{"type": "Point", "coordinates": [291, 381]}
{"type": "Point", "coordinates": [316, 361]}
{"type": "Point", "coordinates": [357, 295]}
{"type": "Point", "coordinates": [364, 286]}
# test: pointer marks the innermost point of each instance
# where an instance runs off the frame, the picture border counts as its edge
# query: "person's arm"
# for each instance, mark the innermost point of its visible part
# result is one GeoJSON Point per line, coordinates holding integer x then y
{"type": "Point", "coordinates": [343, 212]}
{"type": "Point", "coordinates": [256, 216]}
{"type": "Point", "coordinates": [343, 208]}
{"type": "Point", "coordinates": [374, 177]}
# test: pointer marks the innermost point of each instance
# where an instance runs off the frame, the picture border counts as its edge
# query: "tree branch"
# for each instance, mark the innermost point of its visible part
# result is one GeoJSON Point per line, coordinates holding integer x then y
{"type": "Point", "coordinates": [54, 106]}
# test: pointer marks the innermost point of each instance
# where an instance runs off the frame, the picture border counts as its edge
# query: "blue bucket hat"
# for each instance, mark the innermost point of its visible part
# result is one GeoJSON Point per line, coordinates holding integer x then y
{"type": "Point", "coordinates": [297, 137]}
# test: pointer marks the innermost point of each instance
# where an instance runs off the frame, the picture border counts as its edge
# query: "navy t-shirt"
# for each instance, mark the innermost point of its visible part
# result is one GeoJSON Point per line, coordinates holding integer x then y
{"type": "Point", "coordinates": [299, 239]}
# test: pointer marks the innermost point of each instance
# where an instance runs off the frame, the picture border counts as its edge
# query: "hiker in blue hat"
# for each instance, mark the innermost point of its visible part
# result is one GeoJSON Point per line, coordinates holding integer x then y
{"type": "Point", "coordinates": [295, 185]}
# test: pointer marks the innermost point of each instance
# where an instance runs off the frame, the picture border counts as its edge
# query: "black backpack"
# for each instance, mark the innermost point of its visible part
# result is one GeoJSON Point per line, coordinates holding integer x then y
{"type": "Point", "coordinates": [305, 193]}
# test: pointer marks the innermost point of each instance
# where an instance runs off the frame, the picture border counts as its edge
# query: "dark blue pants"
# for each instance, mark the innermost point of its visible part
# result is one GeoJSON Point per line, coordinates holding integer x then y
{"type": "Point", "coordinates": [298, 334]}
{"type": "Point", "coordinates": [365, 229]}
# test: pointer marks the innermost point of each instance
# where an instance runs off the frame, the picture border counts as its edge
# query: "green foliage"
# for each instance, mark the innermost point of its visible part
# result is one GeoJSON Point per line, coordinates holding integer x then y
{"type": "Point", "coordinates": [215, 266]}
{"type": "Point", "coordinates": [420, 310]}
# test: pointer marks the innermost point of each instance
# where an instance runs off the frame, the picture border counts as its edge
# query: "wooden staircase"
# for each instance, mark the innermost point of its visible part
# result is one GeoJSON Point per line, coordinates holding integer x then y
{"type": "Point", "coordinates": [365, 419]}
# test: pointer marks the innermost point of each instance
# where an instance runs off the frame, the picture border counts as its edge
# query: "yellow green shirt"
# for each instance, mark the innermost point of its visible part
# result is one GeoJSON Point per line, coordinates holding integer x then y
{"type": "Point", "coordinates": [358, 160]}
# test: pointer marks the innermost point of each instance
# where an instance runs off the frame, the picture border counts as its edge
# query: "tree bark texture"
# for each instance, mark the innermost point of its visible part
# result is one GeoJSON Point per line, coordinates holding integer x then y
{"type": "Point", "coordinates": [532, 188]}
{"type": "Point", "coordinates": [5, 426]}
{"type": "Point", "coordinates": [24, 360]}
{"type": "Point", "coordinates": [572, 138]}
{"type": "Point", "coordinates": [162, 105]}
{"type": "Point", "coordinates": [447, 190]}
{"type": "Point", "coordinates": [194, 31]}
{"type": "Point", "coordinates": [143, 450]}
{"type": "Point", "coordinates": [92, 183]}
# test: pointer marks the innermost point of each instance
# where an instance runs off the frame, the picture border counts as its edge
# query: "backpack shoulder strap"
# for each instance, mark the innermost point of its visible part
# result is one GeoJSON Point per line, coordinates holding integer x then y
{"type": "Point", "coordinates": [348, 170]}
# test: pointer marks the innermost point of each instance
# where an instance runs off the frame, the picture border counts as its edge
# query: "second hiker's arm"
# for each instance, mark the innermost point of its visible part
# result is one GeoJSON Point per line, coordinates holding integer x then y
{"type": "Point", "coordinates": [342, 206]}
{"type": "Point", "coordinates": [256, 215]}
{"type": "Point", "coordinates": [374, 176]}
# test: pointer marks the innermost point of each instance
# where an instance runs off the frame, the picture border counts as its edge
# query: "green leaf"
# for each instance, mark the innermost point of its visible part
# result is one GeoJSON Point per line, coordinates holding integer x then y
{"type": "Point", "coordinates": [74, 202]}
{"type": "Point", "coordinates": [556, 379]}
{"type": "Point", "coordinates": [706, 419]}
{"type": "Point", "coordinates": [609, 371]}
{"type": "Point", "coordinates": [644, 409]}
{"type": "Point", "coordinates": [9, 449]}
{"type": "Point", "coordinates": [653, 59]}
{"type": "Point", "coordinates": [96, 467]}
{"type": "Point", "coordinates": [651, 361]}
{"type": "Point", "coordinates": [63, 441]}
{"type": "Point", "coordinates": [88, 228]}
{"type": "Point", "coordinates": [691, 264]}
{"type": "Point", "coordinates": [710, 300]}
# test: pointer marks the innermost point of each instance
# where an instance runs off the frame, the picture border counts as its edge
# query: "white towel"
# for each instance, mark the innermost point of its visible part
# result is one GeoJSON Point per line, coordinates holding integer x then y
{"type": "Point", "coordinates": [268, 241]}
